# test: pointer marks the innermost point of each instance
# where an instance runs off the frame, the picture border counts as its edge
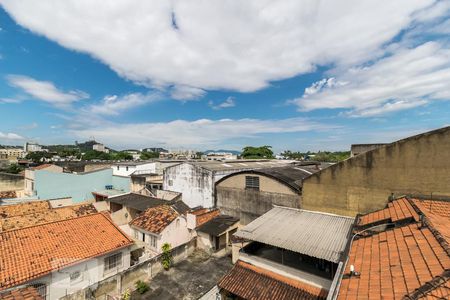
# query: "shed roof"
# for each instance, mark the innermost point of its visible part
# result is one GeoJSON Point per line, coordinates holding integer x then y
{"type": "Point", "coordinates": [252, 282]}
{"type": "Point", "coordinates": [237, 165]}
{"type": "Point", "coordinates": [218, 225]}
{"type": "Point", "coordinates": [155, 219]}
{"type": "Point", "coordinates": [137, 201]}
{"type": "Point", "coordinates": [32, 252]}
{"type": "Point", "coordinates": [316, 234]}
{"type": "Point", "coordinates": [25, 293]}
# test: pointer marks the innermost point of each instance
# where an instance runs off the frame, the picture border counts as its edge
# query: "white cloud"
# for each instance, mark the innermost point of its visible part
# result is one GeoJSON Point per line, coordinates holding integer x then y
{"type": "Point", "coordinates": [46, 91]}
{"type": "Point", "coordinates": [10, 136]}
{"type": "Point", "coordinates": [9, 101]}
{"type": "Point", "coordinates": [199, 133]}
{"type": "Point", "coordinates": [219, 44]}
{"type": "Point", "coordinates": [407, 78]}
{"type": "Point", "coordinates": [114, 105]}
{"type": "Point", "coordinates": [229, 102]}
{"type": "Point", "coordinates": [185, 93]}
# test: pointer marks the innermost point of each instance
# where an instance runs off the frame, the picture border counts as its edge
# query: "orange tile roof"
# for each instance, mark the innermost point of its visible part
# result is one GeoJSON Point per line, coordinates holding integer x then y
{"type": "Point", "coordinates": [8, 194]}
{"type": "Point", "coordinates": [32, 252]}
{"type": "Point", "coordinates": [35, 213]}
{"type": "Point", "coordinates": [393, 263]}
{"type": "Point", "coordinates": [155, 219]}
{"type": "Point", "coordinates": [251, 282]}
{"type": "Point", "coordinates": [397, 210]}
{"type": "Point", "coordinates": [438, 215]}
{"type": "Point", "coordinates": [206, 216]}
{"type": "Point", "coordinates": [26, 293]}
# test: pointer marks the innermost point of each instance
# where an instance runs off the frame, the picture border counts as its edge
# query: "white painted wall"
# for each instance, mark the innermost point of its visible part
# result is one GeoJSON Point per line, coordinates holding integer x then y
{"type": "Point", "coordinates": [91, 271]}
{"type": "Point", "coordinates": [121, 170]}
{"type": "Point", "coordinates": [176, 234]}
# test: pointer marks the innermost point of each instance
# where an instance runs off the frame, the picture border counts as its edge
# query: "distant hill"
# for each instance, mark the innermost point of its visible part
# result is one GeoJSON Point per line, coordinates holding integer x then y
{"type": "Point", "coordinates": [223, 150]}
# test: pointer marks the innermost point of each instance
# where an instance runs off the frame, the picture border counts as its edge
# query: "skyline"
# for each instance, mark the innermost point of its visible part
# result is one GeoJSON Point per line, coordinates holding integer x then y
{"type": "Point", "coordinates": [223, 76]}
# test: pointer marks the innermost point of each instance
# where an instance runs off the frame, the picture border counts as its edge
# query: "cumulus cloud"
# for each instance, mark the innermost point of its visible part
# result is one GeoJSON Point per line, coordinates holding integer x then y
{"type": "Point", "coordinates": [10, 136]}
{"type": "Point", "coordinates": [114, 105]}
{"type": "Point", "coordinates": [184, 93]}
{"type": "Point", "coordinates": [198, 133]}
{"type": "Point", "coordinates": [407, 78]}
{"type": "Point", "coordinates": [46, 91]}
{"type": "Point", "coordinates": [206, 45]}
{"type": "Point", "coordinates": [229, 102]}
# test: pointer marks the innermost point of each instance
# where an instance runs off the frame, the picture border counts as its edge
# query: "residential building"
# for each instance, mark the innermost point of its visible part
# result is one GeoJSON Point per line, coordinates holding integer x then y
{"type": "Point", "coordinates": [100, 147]}
{"type": "Point", "coordinates": [155, 149]}
{"type": "Point", "coordinates": [400, 252]}
{"type": "Point", "coordinates": [12, 154]}
{"type": "Point", "coordinates": [364, 183]}
{"type": "Point", "coordinates": [25, 293]}
{"type": "Point", "coordinates": [249, 194]}
{"type": "Point", "coordinates": [11, 182]}
{"type": "Point", "coordinates": [159, 225]}
{"type": "Point", "coordinates": [127, 168]}
{"type": "Point", "coordinates": [32, 147]}
{"type": "Point", "coordinates": [287, 253]}
{"type": "Point", "coordinates": [215, 235]}
{"type": "Point", "coordinates": [79, 187]}
{"type": "Point", "coordinates": [62, 257]}
{"type": "Point", "coordinates": [196, 179]}
{"type": "Point", "coordinates": [30, 172]}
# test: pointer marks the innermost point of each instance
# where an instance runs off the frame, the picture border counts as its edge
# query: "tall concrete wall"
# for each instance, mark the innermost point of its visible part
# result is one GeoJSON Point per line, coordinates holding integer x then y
{"type": "Point", "coordinates": [233, 199]}
{"type": "Point", "coordinates": [11, 182]}
{"type": "Point", "coordinates": [415, 165]}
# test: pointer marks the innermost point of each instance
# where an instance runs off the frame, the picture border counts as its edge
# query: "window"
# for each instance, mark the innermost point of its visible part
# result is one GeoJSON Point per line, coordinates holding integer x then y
{"type": "Point", "coordinates": [136, 234]}
{"type": "Point", "coordinates": [170, 182]}
{"type": "Point", "coordinates": [153, 241]}
{"type": "Point", "coordinates": [113, 261]}
{"type": "Point", "coordinates": [118, 167]}
{"type": "Point", "coordinates": [178, 223]}
{"type": "Point", "coordinates": [126, 168]}
{"type": "Point", "coordinates": [75, 277]}
{"type": "Point", "coordinates": [252, 182]}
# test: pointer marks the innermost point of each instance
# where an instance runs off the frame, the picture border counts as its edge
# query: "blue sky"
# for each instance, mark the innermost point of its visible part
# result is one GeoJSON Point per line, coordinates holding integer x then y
{"type": "Point", "coordinates": [294, 75]}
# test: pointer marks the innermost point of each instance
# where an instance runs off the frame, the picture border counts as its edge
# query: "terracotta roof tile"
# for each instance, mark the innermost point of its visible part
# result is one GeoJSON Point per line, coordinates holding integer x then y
{"type": "Point", "coordinates": [397, 210]}
{"type": "Point", "coordinates": [393, 263]}
{"type": "Point", "coordinates": [26, 293]}
{"type": "Point", "coordinates": [35, 213]}
{"type": "Point", "coordinates": [206, 216]}
{"type": "Point", "coordinates": [155, 219]}
{"type": "Point", "coordinates": [8, 194]}
{"type": "Point", "coordinates": [32, 252]}
{"type": "Point", "coordinates": [251, 282]}
{"type": "Point", "coordinates": [438, 214]}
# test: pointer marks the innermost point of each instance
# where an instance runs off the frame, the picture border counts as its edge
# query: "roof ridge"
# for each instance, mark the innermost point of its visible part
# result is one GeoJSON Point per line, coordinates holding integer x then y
{"type": "Point", "coordinates": [429, 286]}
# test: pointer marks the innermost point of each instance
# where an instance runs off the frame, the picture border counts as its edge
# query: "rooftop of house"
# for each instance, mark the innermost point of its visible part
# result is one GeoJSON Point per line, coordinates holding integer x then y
{"type": "Point", "coordinates": [35, 251]}
{"type": "Point", "coordinates": [291, 175]}
{"type": "Point", "coordinates": [132, 163]}
{"type": "Point", "coordinates": [25, 293]}
{"type": "Point", "coordinates": [109, 192]}
{"type": "Point", "coordinates": [137, 201]}
{"type": "Point", "coordinates": [42, 167]}
{"type": "Point", "coordinates": [410, 258]}
{"type": "Point", "coordinates": [155, 219]}
{"type": "Point", "coordinates": [241, 164]}
{"type": "Point", "coordinates": [316, 234]}
{"type": "Point", "coordinates": [203, 215]}
{"type": "Point", "coordinates": [40, 212]}
{"type": "Point", "coordinates": [251, 282]}
{"type": "Point", "coordinates": [218, 225]}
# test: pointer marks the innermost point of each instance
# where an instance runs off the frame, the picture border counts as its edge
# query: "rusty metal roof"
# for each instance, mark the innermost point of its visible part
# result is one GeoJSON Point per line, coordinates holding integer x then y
{"type": "Point", "coordinates": [316, 234]}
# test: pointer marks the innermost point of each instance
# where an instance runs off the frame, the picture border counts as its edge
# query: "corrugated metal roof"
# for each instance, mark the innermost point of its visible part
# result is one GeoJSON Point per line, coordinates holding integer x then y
{"type": "Point", "coordinates": [316, 234]}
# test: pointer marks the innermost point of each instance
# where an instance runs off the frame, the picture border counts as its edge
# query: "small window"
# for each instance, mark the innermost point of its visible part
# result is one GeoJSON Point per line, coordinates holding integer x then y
{"type": "Point", "coordinates": [178, 223]}
{"type": "Point", "coordinates": [252, 182]}
{"type": "Point", "coordinates": [126, 168]}
{"type": "Point", "coordinates": [118, 167]}
{"type": "Point", "coordinates": [170, 182]}
{"type": "Point", "coordinates": [75, 277]}
{"type": "Point", "coordinates": [136, 234]}
{"type": "Point", "coordinates": [153, 241]}
{"type": "Point", "coordinates": [113, 261]}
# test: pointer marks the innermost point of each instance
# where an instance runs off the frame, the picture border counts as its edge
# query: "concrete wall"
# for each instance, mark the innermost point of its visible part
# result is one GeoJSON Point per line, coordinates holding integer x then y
{"type": "Point", "coordinates": [195, 184]}
{"type": "Point", "coordinates": [233, 199]}
{"type": "Point", "coordinates": [11, 182]}
{"type": "Point", "coordinates": [416, 165]}
{"type": "Point", "coordinates": [49, 185]}
{"type": "Point", "coordinates": [127, 170]}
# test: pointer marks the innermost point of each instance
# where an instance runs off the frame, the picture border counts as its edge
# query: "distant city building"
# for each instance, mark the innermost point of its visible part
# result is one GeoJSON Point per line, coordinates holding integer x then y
{"type": "Point", "coordinates": [32, 147]}
{"type": "Point", "coordinates": [136, 154]}
{"type": "Point", "coordinates": [12, 154]}
{"type": "Point", "coordinates": [219, 156]}
{"type": "Point", "coordinates": [100, 147]}
{"type": "Point", "coordinates": [157, 150]}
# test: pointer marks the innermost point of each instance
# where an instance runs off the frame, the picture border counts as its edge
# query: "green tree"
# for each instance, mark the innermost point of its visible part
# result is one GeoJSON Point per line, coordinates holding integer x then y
{"type": "Point", "coordinates": [261, 152]}
{"type": "Point", "coordinates": [93, 154]}
{"type": "Point", "coordinates": [121, 156]}
{"type": "Point", "coordinates": [166, 256]}
{"type": "Point", "coordinates": [149, 155]}
{"type": "Point", "coordinates": [14, 169]}
{"type": "Point", "coordinates": [38, 156]}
